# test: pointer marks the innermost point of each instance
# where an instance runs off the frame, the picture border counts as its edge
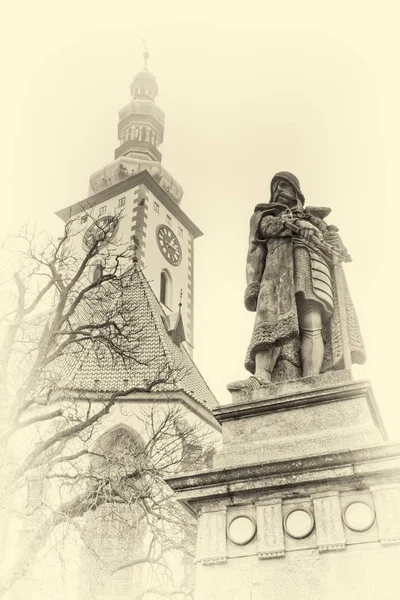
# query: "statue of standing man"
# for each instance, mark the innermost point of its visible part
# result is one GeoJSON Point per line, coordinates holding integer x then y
{"type": "Point", "coordinates": [305, 320]}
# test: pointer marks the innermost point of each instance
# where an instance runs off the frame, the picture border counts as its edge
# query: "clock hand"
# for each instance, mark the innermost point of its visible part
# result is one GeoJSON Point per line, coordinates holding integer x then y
{"type": "Point", "coordinates": [172, 245]}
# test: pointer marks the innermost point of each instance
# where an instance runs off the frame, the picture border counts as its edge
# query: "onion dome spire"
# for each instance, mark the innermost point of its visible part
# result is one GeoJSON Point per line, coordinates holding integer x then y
{"type": "Point", "coordinates": [141, 125]}
{"type": "Point", "coordinates": [140, 133]}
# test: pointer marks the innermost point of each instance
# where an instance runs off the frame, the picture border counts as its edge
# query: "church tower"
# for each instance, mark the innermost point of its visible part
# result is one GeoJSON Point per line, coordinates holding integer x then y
{"type": "Point", "coordinates": [134, 205]}
{"type": "Point", "coordinates": [147, 198]}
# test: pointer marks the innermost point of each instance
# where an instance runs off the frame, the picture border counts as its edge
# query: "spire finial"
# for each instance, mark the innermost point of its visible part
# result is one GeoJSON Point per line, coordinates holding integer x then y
{"type": "Point", "coordinates": [180, 300]}
{"type": "Point", "coordinates": [146, 54]}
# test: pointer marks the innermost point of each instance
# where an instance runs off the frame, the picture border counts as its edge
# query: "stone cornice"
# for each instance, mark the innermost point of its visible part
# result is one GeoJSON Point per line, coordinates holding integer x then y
{"type": "Point", "coordinates": [217, 483]}
{"type": "Point", "coordinates": [143, 177]}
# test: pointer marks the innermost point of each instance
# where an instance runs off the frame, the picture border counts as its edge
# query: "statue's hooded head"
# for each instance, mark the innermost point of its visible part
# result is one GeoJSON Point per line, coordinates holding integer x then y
{"type": "Point", "coordinates": [285, 188]}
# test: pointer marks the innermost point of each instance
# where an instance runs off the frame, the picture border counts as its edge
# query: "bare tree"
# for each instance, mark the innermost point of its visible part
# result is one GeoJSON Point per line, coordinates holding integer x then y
{"type": "Point", "coordinates": [61, 471]}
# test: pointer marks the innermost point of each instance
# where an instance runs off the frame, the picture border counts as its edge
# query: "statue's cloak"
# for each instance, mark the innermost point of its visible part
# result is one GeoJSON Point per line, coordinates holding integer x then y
{"type": "Point", "coordinates": [271, 294]}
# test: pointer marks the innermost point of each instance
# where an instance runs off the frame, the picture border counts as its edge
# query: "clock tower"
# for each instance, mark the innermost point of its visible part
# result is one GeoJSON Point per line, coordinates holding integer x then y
{"type": "Point", "coordinates": [138, 188]}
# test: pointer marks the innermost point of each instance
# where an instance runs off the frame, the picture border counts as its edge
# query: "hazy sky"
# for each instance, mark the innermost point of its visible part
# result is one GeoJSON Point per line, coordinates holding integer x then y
{"type": "Point", "coordinates": [248, 89]}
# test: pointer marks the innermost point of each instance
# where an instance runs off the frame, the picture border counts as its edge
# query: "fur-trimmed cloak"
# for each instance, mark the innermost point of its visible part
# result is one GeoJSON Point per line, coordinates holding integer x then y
{"type": "Point", "coordinates": [271, 294]}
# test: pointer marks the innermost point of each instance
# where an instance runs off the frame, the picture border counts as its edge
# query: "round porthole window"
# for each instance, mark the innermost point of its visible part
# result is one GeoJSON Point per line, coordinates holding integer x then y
{"type": "Point", "coordinates": [299, 523]}
{"type": "Point", "coordinates": [241, 530]}
{"type": "Point", "coordinates": [358, 516]}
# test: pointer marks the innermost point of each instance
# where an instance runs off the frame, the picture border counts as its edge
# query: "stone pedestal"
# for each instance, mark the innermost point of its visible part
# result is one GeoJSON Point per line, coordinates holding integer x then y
{"type": "Point", "coordinates": [303, 500]}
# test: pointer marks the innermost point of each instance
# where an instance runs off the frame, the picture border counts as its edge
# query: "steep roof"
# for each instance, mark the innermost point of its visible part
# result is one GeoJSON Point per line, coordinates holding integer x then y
{"type": "Point", "coordinates": [152, 352]}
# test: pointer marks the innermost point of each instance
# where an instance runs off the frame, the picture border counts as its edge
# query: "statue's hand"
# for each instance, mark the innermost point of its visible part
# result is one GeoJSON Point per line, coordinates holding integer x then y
{"type": "Point", "coordinates": [307, 230]}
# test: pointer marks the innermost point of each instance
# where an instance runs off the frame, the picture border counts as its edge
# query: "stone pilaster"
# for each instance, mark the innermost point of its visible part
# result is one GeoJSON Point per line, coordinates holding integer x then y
{"type": "Point", "coordinates": [387, 508]}
{"type": "Point", "coordinates": [328, 520]}
{"type": "Point", "coordinates": [211, 539]}
{"type": "Point", "coordinates": [270, 541]}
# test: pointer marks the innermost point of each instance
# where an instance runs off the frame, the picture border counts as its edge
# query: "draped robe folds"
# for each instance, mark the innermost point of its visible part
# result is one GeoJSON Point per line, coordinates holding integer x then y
{"type": "Point", "coordinates": [271, 293]}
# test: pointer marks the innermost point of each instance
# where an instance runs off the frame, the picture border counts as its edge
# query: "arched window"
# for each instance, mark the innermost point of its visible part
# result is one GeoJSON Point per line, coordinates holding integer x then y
{"type": "Point", "coordinates": [114, 530]}
{"type": "Point", "coordinates": [118, 453]}
{"type": "Point", "coordinates": [165, 288]}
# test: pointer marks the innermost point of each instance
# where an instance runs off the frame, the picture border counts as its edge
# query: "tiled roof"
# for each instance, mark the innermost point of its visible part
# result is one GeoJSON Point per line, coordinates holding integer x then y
{"type": "Point", "coordinates": [152, 351]}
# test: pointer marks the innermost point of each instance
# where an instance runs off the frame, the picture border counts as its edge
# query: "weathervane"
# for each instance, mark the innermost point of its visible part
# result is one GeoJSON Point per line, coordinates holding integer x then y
{"type": "Point", "coordinates": [145, 53]}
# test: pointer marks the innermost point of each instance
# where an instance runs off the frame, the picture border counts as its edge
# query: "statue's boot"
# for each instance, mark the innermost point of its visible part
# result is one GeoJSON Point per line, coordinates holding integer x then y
{"type": "Point", "coordinates": [251, 383]}
{"type": "Point", "coordinates": [265, 361]}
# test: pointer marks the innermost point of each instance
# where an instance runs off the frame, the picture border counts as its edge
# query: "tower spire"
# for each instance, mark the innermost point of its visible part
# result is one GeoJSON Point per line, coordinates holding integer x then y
{"type": "Point", "coordinates": [180, 301]}
{"type": "Point", "coordinates": [141, 126]}
{"type": "Point", "coordinates": [140, 135]}
{"type": "Point", "coordinates": [146, 54]}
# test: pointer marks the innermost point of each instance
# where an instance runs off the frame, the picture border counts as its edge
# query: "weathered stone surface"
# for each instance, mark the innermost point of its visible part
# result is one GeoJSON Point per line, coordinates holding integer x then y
{"type": "Point", "coordinates": [360, 575]}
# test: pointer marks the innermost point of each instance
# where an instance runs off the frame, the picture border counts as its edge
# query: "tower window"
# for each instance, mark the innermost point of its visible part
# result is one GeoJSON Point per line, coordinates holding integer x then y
{"type": "Point", "coordinates": [180, 231]}
{"type": "Point", "coordinates": [156, 207]}
{"type": "Point", "coordinates": [121, 202]}
{"type": "Point", "coordinates": [84, 219]}
{"type": "Point", "coordinates": [169, 220]}
{"type": "Point", "coordinates": [165, 288]}
{"type": "Point", "coordinates": [102, 210]}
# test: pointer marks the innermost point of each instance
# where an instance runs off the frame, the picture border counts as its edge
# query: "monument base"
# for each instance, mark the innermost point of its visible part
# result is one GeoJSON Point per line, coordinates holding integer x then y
{"type": "Point", "coordinates": [303, 500]}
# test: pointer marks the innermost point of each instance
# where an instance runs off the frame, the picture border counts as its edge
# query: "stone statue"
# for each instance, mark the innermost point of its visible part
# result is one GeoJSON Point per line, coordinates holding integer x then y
{"type": "Point", "coordinates": [305, 320]}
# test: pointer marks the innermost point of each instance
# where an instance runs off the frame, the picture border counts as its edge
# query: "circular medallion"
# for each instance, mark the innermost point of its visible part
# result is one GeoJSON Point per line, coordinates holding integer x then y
{"type": "Point", "coordinates": [102, 230]}
{"type": "Point", "coordinates": [241, 530]}
{"type": "Point", "coordinates": [299, 523]}
{"type": "Point", "coordinates": [169, 245]}
{"type": "Point", "coordinates": [358, 516]}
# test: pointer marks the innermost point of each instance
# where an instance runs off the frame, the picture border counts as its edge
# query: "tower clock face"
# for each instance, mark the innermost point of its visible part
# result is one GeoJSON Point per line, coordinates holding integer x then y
{"type": "Point", "coordinates": [103, 229]}
{"type": "Point", "coordinates": [169, 245]}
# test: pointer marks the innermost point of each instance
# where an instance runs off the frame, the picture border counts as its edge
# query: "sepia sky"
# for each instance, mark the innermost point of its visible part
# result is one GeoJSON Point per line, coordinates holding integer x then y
{"type": "Point", "coordinates": [248, 89]}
